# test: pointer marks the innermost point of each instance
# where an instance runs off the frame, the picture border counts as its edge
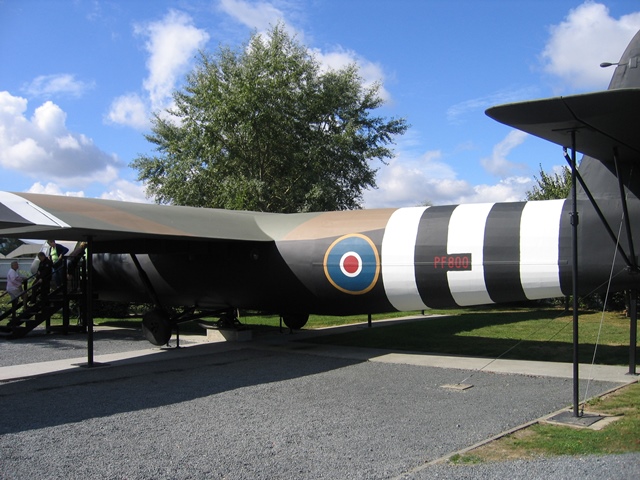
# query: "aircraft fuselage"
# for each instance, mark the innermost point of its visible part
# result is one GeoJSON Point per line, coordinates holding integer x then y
{"type": "Point", "coordinates": [384, 260]}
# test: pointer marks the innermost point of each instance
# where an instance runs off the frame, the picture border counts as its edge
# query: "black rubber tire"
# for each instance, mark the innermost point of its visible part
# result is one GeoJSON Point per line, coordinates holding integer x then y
{"type": "Point", "coordinates": [295, 321]}
{"type": "Point", "coordinates": [156, 327]}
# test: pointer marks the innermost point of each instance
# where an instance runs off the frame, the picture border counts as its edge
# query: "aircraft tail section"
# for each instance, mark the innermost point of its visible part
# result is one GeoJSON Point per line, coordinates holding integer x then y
{"type": "Point", "coordinates": [601, 175]}
{"type": "Point", "coordinates": [601, 179]}
{"type": "Point", "coordinates": [627, 73]}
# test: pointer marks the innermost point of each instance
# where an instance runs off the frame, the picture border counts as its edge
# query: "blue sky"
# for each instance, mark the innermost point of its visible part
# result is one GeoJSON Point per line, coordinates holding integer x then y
{"type": "Point", "coordinates": [80, 78]}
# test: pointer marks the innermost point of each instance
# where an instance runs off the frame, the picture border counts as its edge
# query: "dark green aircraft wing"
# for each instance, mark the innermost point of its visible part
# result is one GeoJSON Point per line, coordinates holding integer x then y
{"type": "Point", "coordinates": [605, 122]}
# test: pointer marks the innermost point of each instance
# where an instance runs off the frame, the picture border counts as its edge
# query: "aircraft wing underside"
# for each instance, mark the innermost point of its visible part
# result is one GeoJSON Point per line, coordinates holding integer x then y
{"type": "Point", "coordinates": [605, 122]}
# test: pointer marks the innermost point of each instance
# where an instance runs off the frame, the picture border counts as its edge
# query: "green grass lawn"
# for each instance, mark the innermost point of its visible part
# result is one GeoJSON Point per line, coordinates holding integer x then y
{"type": "Point", "coordinates": [621, 436]}
{"type": "Point", "coordinates": [517, 333]}
{"type": "Point", "coordinates": [262, 322]}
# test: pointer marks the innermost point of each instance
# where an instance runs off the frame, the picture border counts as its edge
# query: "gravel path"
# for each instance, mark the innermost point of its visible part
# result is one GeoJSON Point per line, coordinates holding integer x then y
{"type": "Point", "coordinates": [40, 347]}
{"type": "Point", "coordinates": [258, 413]}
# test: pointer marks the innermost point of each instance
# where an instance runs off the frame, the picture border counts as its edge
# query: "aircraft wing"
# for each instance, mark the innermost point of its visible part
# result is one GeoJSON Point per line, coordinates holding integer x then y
{"type": "Point", "coordinates": [604, 121]}
{"type": "Point", "coordinates": [118, 223]}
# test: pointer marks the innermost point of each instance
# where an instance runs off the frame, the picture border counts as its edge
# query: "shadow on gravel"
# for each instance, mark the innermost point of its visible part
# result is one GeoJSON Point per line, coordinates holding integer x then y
{"type": "Point", "coordinates": [65, 398]}
{"type": "Point", "coordinates": [39, 346]}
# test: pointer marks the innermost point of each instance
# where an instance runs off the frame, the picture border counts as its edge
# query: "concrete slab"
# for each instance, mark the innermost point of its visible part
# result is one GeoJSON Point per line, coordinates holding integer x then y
{"type": "Point", "coordinates": [227, 335]}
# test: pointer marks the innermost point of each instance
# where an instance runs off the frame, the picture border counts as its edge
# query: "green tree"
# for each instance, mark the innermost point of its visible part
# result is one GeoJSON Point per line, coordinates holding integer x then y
{"type": "Point", "coordinates": [264, 128]}
{"type": "Point", "coordinates": [551, 187]}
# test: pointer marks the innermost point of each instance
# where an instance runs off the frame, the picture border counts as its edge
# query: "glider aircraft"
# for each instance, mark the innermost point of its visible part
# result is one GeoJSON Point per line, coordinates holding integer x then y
{"type": "Point", "coordinates": [374, 261]}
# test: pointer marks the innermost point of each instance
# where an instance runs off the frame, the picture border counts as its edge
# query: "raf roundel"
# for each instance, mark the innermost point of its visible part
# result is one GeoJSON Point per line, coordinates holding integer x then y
{"type": "Point", "coordinates": [352, 264]}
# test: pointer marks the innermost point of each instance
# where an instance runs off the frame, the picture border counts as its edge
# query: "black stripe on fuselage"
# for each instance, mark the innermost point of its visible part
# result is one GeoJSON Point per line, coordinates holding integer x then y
{"type": "Point", "coordinates": [565, 260]}
{"type": "Point", "coordinates": [501, 253]}
{"type": "Point", "coordinates": [431, 243]}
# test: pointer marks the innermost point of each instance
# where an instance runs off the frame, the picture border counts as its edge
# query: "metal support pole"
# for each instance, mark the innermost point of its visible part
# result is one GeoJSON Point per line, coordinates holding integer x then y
{"type": "Point", "coordinates": [369, 321]}
{"type": "Point", "coordinates": [89, 301]}
{"type": "Point", "coordinates": [601, 216]}
{"type": "Point", "coordinates": [625, 212]}
{"type": "Point", "coordinates": [65, 297]}
{"type": "Point", "coordinates": [574, 276]}
{"type": "Point", "coordinates": [633, 330]}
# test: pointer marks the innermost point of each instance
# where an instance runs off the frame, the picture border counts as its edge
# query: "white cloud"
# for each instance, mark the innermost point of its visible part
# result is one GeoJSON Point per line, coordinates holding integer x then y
{"type": "Point", "coordinates": [409, 181]}
{"type": "Point", "coordinates": [59, 84]}
{"type": "Point", "coordinates": [369, 71]}
{"type": "Point", "coordinates": [53, 189]}
{"type": "Point", "coordinates": [457, 112]}
{"type": "Point", "coordinates": [43, 147]}
{"type": "Point", "coordinates": [498, 164]}
{"type": "Point", "coordinates": [129, 110]}
{"type": "Point", "coordinates": [587, 37]}
{"type": "Point", "coordinates": [258, 15]}
{"type": "Point", "coordinates": [126, 191]}
{"type": "Point", "coordinates": [511, 189]}
{"type": "Point", "coordinates": [171, 44]}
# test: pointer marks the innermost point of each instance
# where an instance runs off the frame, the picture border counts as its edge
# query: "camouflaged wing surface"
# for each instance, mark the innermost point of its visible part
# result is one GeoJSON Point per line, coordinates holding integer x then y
{"type": "Point", "coordinates": [40, 216]}
{"type": "Point", "coordinates": [71, 218]}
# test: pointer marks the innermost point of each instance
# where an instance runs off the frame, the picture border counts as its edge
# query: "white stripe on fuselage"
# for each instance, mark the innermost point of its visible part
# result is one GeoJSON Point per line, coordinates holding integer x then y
{"type": "Point", "coordinates": [466, 235]}
{"type": "Point", "coordinates": [539, 249]}
{"type": "Point", "coordinates": [398, 259]}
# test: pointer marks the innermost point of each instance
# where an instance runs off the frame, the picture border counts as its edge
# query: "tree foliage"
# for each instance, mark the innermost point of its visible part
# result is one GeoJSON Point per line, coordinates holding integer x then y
{"type": "Point", "coordinates": [265, 128]}
{"type": "Point", "coordinates": [551, 187]}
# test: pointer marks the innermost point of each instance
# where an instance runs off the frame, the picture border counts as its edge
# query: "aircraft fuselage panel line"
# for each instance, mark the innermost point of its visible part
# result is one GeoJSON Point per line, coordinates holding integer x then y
{"type": "Point", "coordinates": [466, 237]}
{"type": "Point", "coordinates": [502, 253]}
{"type": "Point", "coordinates": [397, 258]}
{"type": "Point", "coordinates": [539, 249]}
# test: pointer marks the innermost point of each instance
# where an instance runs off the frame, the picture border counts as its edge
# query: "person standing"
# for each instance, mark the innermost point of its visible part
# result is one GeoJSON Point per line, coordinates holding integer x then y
{"type": "Point", "coordinates": [15, 286]}
{"type": "Point", "coordinates": [42, 285]}
{"type": "Point", "coordinates": [56, 254]}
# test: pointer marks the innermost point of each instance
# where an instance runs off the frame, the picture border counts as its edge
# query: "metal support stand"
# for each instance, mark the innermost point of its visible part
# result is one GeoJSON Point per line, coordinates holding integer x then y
{"type": "Point", "coordinates": [633, 330]}
{"type": "Point", "coordinates": [574, 276]}
{"type": "Point", "coordinates": [89, 301]}
{"type": "Point", "coordinates": [89, 306]}
{"type": "Point", "coordinates": [627, 220]}
{"type": "Point", "coordinates": [369, 321]}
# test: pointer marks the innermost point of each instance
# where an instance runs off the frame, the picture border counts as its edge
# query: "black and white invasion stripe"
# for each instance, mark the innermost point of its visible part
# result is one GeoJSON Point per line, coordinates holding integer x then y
{"type": "Point", "coordinates": [472, 254]}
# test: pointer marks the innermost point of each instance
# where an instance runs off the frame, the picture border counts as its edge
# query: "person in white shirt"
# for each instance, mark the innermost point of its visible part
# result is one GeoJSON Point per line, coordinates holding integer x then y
{"type": "Point", "coordinates": [14, 284]}
{"type": "Point", "coordinates": [14, 281]}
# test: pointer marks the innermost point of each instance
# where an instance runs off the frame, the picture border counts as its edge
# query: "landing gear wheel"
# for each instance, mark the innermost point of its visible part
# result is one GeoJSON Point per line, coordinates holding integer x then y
{"type": "Point", "coordinates": [228, 320]}
{"type": "Point", "coordinates": [156, 327]}
{"type": "Point", "coordinates": [295, 321]}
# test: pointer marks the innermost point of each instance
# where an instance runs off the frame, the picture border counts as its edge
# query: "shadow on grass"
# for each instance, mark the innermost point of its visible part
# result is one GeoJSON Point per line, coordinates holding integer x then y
{"type": "Point", "coordinates": [531, 334]}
